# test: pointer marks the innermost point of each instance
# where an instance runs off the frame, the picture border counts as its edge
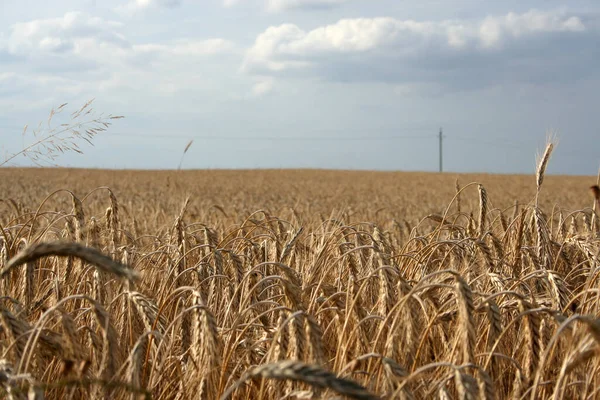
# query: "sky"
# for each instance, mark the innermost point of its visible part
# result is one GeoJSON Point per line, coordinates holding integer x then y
{"type": "Point", "coordinates": [341, 84]}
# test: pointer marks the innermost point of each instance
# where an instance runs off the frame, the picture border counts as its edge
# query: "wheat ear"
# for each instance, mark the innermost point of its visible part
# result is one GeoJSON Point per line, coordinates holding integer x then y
{"type": "Point", "coordinates": [541, 169]}
{"type": "Point", "coordinates": [310, 374]}
{"type": "Point", "coordinates": [483, 207]}
{"type": "Point", "coordinates": [101, 261]}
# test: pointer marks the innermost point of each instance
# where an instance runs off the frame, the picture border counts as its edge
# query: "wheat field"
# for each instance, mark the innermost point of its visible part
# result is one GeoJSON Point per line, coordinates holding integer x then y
{"type": "Point", "coordinates": [298, 285]}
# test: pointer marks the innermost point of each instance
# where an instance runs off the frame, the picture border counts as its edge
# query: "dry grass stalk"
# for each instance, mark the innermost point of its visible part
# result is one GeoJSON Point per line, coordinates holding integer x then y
{"type": "Point", "coordinates": [49, 142]}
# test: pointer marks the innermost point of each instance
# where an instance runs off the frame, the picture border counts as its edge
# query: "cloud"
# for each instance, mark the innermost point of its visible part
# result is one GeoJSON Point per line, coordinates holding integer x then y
{"type": "Point", "coordinates": [262, 88]}
{"type": "Point", "coordinates": [493, 31]}
{"type": "Point", "coordinates": [135, 6]}
{"type": "Point", "coordinates": [157, 3]}
{"type": "Point", "coordinates": [451, 52]}
{"type": "Point", "coordinates": [286, 5]}
{"type": "Point", "coordinates": [276, 6]}
{"type": "Point", "coordinates": [81, 55]}
{"type": "Point", "coordinates": [231, 3]}
{"type": "Point", "coordinates": [61, 35]}
{"type": "Point", "coordinates": [80, 37]}
{"type": "Point", "coordinates": [189, 47]}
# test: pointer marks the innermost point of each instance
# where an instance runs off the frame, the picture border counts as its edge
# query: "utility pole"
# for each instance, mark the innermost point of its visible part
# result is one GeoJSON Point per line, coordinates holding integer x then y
{"type": "Point", "coordinates": [441, 159]}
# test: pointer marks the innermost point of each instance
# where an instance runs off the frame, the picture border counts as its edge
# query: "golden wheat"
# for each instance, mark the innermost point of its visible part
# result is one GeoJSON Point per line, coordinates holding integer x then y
{"type": "Point", "coordinates": [173, 286]}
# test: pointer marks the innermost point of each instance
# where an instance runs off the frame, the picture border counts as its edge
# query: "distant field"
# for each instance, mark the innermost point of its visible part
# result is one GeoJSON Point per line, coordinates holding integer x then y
{"type": "Point", "coordinates": [369, 195]}
{"type": "Point", "coordinates": [297, 284]}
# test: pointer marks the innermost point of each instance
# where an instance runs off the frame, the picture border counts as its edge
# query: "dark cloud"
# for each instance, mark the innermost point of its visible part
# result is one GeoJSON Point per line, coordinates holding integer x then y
{"type": "Point", "coordinates": [534, 48]}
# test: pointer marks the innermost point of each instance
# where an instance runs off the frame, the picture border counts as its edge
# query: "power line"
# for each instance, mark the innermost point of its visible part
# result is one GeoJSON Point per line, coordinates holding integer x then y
{"type": "Point", "coordinates": [491, 142]}
{"type": "Point", "coordinates": [265, 134]}
{"type": "Point", "coordinates": [19, 128]}
{"type": "Point", "coordinates": [271, 138]}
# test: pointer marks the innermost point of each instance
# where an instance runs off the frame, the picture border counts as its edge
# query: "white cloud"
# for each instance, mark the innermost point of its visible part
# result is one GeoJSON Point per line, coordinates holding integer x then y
{"type": "Point", "coordinates": [494, 30]}
{"type": "Point", "coordinates": [262, 88]}
{"type": "Point", "coordinates": [135, 6]}
{"type": "Point", "coordinates": [389, 49]}
{"type": "Point", "coordinates": [231, 3]}
{"type": "Point", "coordinates": [57, 35]}
{"type": "Point", "coordinates": [157, 3]}
{"type": "Point", "coordinates": [286, 5]}
{"type": "Point", "coordinates": [91, 38]}
{"type": "Point", "coordinates": [269, 44]}
{"type": "Point", "coordinates": [276, 6]}
{"type": "Point", "coordinates": [80, 55]}
{"type": "Point", "coordinates": [191, 47]}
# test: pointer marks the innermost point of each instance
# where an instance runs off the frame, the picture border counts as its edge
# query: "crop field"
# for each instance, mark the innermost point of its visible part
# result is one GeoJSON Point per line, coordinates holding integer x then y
{"type": "Point", "coordinates": [298, 284]}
